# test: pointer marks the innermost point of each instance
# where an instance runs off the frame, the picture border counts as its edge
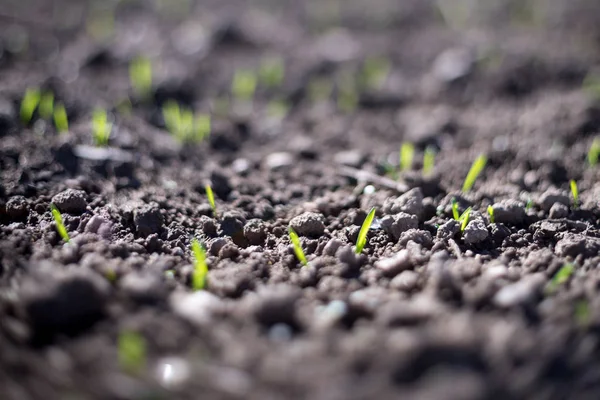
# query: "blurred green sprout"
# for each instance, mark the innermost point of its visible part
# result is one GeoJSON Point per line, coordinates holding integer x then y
{"type": "Point", "coordinates": [183, 124]}
{"type": "Point", "coordinates": [490, 211]}
{"type": "Point", "coordinates": [46, 107]}
{"type": "Point", "coordinates": [574, 192]}
{"type": "Point", "coordinates": [271, 72]}
{"type": "Point", "coordinates": [211, 199]}
{"type": "Point", "coordinates": [374, 72]}
{"type": "Point", "coordinates": [243, 85]}
{"type": "Point", "coordinates": [29, 104]}
{"type": "Point", "coordinates": [101, 127]}
{"type": "Point", "coordinates": [61, 121]}
{"type": "Point", "coordinates": [476, 168]}
{"type": "Point", "coordinates": [428, 160]}
{"type": "Point", "coordinates": [561, 277]}
{"type": "Point", "coordinates": [594, 152]}
{"type": "Point", "coordinates": [140, 76]}
{"type": "Point", "coordinates": [297, 246]}
{"type": "Point", "coordinates": [131, 352]}
{"type": "Point", "coordinates": [200, 272]}
{"type": "Point", "coordinates": [407, 154]}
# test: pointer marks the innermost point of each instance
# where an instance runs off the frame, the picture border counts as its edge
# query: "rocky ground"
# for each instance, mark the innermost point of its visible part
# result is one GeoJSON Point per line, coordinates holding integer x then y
{"type": "Point", "coordinates": [427, 311]}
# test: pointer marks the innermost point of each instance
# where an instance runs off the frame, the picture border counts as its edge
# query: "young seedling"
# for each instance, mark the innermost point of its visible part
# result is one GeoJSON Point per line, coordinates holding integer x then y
{"type": "Point", "coordinates": [347, 99]}
{"type": "Point", "coordinates": [561, 277]}
{"type": "Point", "coordinates": [140, 76]}
{"type": "Point", "coordinates": [271, 72]}
{"type": "Point", "coordinates": [131, 352]}
{"type": "Point", "coordinates": [61, 121]}
{"type": "Point", "coordinates": [201, 127]}
{"type": "Point", "coordinates": [243, 85]}
{"type": "Point", "coordinates": [464, 219]}
{"type": "Point", "coordinates": [101, 128]}
{"type": "Point", "coordinates": [594, 153]}
{"type": "Point", "coordinates": [30, 102]}
{"type": "Point", "coordinates": [182, 123]}
{"type": "Point", "coordinates": [374, 72]}
{"type": "Point", "coordinates": [297, 246]}
{"type": "Point", "coordinates": [211, 199]}
{"type": "Point", "coordinates": [455, 213]}
{"type": "Point", "coordinates": [529, 204]}
{"type": "Point", "coordinates": [428, 161]}
{"type": "Point", "coordinates": [476, 168]}
{"type": "Point", "coordinates": [60, 226]}
{"type": "Point", "coordinates": [319, 89]}
{"type": "Point", "coordinates": [407, 153]}
{"type": "Point", "coordinates": [490, 211]}
{"type": "Point", "coordinates": [46, 107]}
{"type": "Point", "coordinates": [575, 193]}
{"type": "Point", "coordinates": [364, 230]}
{"type": "Point", "coordinates": [200, 272]}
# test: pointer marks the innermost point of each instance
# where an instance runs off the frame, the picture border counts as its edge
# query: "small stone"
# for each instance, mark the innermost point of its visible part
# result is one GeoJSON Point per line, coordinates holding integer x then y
{"type": "Point", "coordinates": [571, 245]}
{"type": "Point", "coordinates": [475, 232]}
{"type": "Point", "coordinates": [393, 265]}
{"type": "Point", "coordinates": [70, 201]}
{"type": "Point", "coordinates": [17, 208]}
{"type": "Point", "coordinates": [143, 287]}
{"type": "Point", "coordinates": [448, 230]}
{"type": "Point", "coordinates": [198, 307]}
{"type": "Point", "coordinates": [255, 231]}
{"type": "Point", "coordinates": [352, 158]}
{"type": "Point", "coordinates": [332, 247]}
{"type": "Point", "coordinates": [410, 202]}
{"type": "Point", "coordinates": [276, 304]}
{"type": "Point", "coordinates": [147, 219]}
{"type": "Point", "coordinates": [418, 236]}
{"type": "Point", "coordinates": [522, 292]}
{"type": "Point", "coordinates": [453, 64]}
{"type": "Point", "coordinates": [347, 256]}
{"type": "Point", "coordinates": [551, 196]}
{"type": "Point", "coordinates": [558, 211]}
{"type": "Point", "coordinates": [232, 224]}
{"type": "Point", "coordinates": [279, 160]}
{"type": "Point", "coordinates": [308, 224]}
{"type": "Point", "coordinates": [405, 281]}
{"type": "Point", "coordinates": [397, 224]}
{"type": "Point", "coordinates": [510, 212]}
{"type": "Point", "coordinates": [94, 224]}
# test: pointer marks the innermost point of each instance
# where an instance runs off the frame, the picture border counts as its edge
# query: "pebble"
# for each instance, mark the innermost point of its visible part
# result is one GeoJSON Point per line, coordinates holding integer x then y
{"type": "Point", "coordinates": [405, 281]}
{"type": "Point", "coordinates": [308, 224]}
{"type": "Point", "coordinates": [276, 304]}
{"type": "Point", "coordinates": [520, 293]}
{"type": "Point", "coordinates": [70, 201]}
{"type": "Point", "coordinates": [232, 224]}
{"type": "Point", "coordinates": [509, 212]}
{"type": "Point", "coordinates": [475, 232]}
{"type": "Point", "coordinates": [143, 287]}
{"type": "Point", "coordinates": [397, 224]}
{"type": "Point", "coordinates": [393, 265]}
{"type": "Point", "coordinates": [255, 231]}
{"type": "Point", "coordinates": [17, 208]}
{"type": "Point", "coordinates": [279, 160]}
{"type": "Point", "coordinates": [453, 64]}
{"type": "Point", "coordinates": [410, 202]}
{"type": "Point", "coordinates": [558, 211]}
{"type": "Point", "coordinates": [551, 196]}
{"type": "Point", "coordinates": [198, 307]}
{"type": "Point", "coordinates": [147, 219]}
{"type": "Point", "coordinates": [448, 230]}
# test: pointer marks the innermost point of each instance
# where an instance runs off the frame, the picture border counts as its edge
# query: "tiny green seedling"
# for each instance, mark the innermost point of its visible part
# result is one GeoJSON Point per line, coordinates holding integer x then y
{"type": "Point", "coordinates": [46, 107]}
{"type": "Point", "coordinates": [271, 72]}
{"type": "Point", "coordinates": [201, 127]}
{"type": "Point", "coordinates": [61, 121]}
{"type": "Point", "coordinates": [243, 85]}
{"type": "Point", "coordinates": [575, 193]}
{"type": "Point", "coordinates": [200, 272]}
{"type": "Point", "coordinates": [319, 89]}
{"type": "Point", "coordinates": [29, 104]}
{"type": "Point", "coordinates": [529, 204]}
{"type": "Point", "coordinates": [455, 213]}
{"type": "Point", "coordinates": [407, 153]}
{"type": "Point", "coordinates": [490, 211]}
{"type": "Point", "coordinates": [101, 128]}
{"type": "Point", "coordinates": [60, 226]}
{"type": "Point", "coordinates": [140, 76]}
{"type": "Point", "coordinates": [476, 168]}
{"type": "Point", "coordinates": [561, 277]}
{"type": "Point", "coordinates": [182, 123]}
{"type": "Point", "coordinates": [278, 108]}
{"type": "Point", "coordinates": [297, 246]}
{"type": "Point", "coordinates": [364, 230]}
{"type": "Point", "coordinates": [211, 198]}
{"type": "Point", "coordinates": [428, 160]}
{"type": "Point", "coordinates": [131, 352]}
{"type": "Point", "coordinates": [594, 153]}
{"type": "Point", "coordinates": [464, 219]}
{"type": "Point", "coordinates": [374, 72]}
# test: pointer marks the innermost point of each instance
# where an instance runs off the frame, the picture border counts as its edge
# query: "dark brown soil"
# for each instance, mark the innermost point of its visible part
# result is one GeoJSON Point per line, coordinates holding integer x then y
{"type": "Point", "coordinates": [426, 312]}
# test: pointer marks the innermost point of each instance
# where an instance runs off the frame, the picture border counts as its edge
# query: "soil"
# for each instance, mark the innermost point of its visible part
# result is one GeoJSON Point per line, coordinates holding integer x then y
{"type": "Point", "coordinates": [427, 311]}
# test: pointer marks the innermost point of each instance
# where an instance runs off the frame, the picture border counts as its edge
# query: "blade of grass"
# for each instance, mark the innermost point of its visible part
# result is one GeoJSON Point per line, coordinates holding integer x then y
{"type": "Point", "coordinates": [464, 218]}
{"type": "Point", "coordinates": [131, 352]}
{"type": "Point", "coordinates": [428, 161]}
{"type": "Point", "coordinates": [490, 211]}
{"type": "Point", "coordinates": [476, 168]}
{"type": "Point", "coordinates": [60, 226]}
{"type": "Point", "coordinates": [297, 246]}
{"type": "Point", "coordinates": [455, 213]}
{"type": "Point", "coordinates": [594, 153]}
{"type": "Point", "coordinates": [364, 230]}
{"type": "Point", "coordinates": [407, 152]}
{"type": "Point", "coordinates": [200, 267]}
{"type": "Point", "coordinates": [211, 199]}
{"type": "Point", "coordinates": [30, 102]}
{"type": "Point", "coordinates": [46, 106]}
{"type": "Point", "coordinates": [575, 193]}
{"type": "Point", "coordinates": [61, 121]}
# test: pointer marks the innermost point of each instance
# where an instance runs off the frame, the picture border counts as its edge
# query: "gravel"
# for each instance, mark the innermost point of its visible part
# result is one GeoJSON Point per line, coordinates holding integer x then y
{"type": "Point", "coordinates": [70, 201]}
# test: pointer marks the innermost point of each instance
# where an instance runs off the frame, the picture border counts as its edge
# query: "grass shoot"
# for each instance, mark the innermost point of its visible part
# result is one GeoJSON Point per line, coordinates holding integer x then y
{"type": "Point", "coordinates": [594, 153]}
{"type": "Point", "coordinates": [490, 211]}
{"type": "Point", "coordinates": [374, 72]}
{"type": "Point", "coordinates": [364, 230]}
{"type": "Point", "coordinates": [476, 168]}
{"type": "Point", "coordinates": [60, 226]}
{"type": "Point", "coordinates": [243, 85]}
{"type": "Point", "coordinates": [211, 198]}
{"type": "Point", "coordinates": [561, 277]}
{"type": "Point", "coordinates": [200, 272]}
{"type": "Point", "coordinates": [574, 192]}
{"type": "Point", "coordinates": [131, 352]}
{"type": "Point", "coordinates": [464, 219]}
{"type": "Point", "coordinates": [46, 107]}
{"type": "Point", "coordinates": [29, 104]}
{"type": "Point", "coordinates": [455, 213]}
{"type": "Point", "coordinates": [101, 128]}
{"type": "Point", "coordinates": [140, 76]}
{"type": "Point", "coordinates": [407, 153]}
{"type": "Point", "coordinates": [182, 123]}
{"type": "Point", "coordinates": [428, 160]}
{"type": "Point", "coordinates": [529, 204]}
{"type": "Point", "coordinates": [319, 89]}
{"type": "Point", "coordinates": [297, 246]}
{"type": "Point", "coordinates": [61, 121]}
{"type": "Point", "coordinates": [271, 72]}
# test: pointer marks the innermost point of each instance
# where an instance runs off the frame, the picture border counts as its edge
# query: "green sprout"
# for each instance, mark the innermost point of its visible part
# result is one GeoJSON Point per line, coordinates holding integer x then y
{"type": "Point", "coordinates": [407, 153]}
{"type": "Point", "coordinates": [46, 107]}
{"type": "Point", "coordinates": [347, 99]}
{"type": "Point", "coordinates": [101, 127]}
{"type": "Point", "coordinates": [277, 108]}
{"type": "Point", "coordinates": [271, 72]}
{"type": "Point", "coordinates": [490, 211]}
{"type": "Point", "coordinates": [428, 160]}
{"type": "Point", "coordinates": [594, 153]}
{"type": "Point", "coordinates": [60, 226]}
{"type": "Point", "coordinates": [374, 72]}
{"type": "Point", "coordinates": [464, 218]}
{"type": "Point", "coordinates": [201, 127]}
{"type": "Point", "coordinates": [211, 199]}
{"type": "Point", "coordinates": [297, 247]}
{"type": "Point", "coordinates": [561, 277]}
{"type": "Point", "coordinates": [131, 351]}
{"type": "Point", "coordinates": [529, 204]}
{"type": "Point", "coordinates": [574, 192]}
{"type": "Point", "coordinates": [582, 312]}
{"type": "Point", "coordinates": [319, 89]}
{"type": "Point", "coordinates": [476, 168]}
{"type": "Point", "coordinates": [182, 123]}
{"type": "Point", "coordinates": [200, 272]}
{"type": "Point", "coordinates": [243, 85]}
{"type": "Point", "coordinates": [140, 76]}
{"type": "Point", "coordinates": [61, 121]}
{"type": "Point", "coordinates": [30, 102]}
{"type": "Point", "coordinates": [364, 230]}
{"type": "Point", "coordinates": [455, 213]}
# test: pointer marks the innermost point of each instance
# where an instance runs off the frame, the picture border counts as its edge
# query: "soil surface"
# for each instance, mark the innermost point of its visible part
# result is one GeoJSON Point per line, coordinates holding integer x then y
{"type": "Point", "coordinates": [427, 311]}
